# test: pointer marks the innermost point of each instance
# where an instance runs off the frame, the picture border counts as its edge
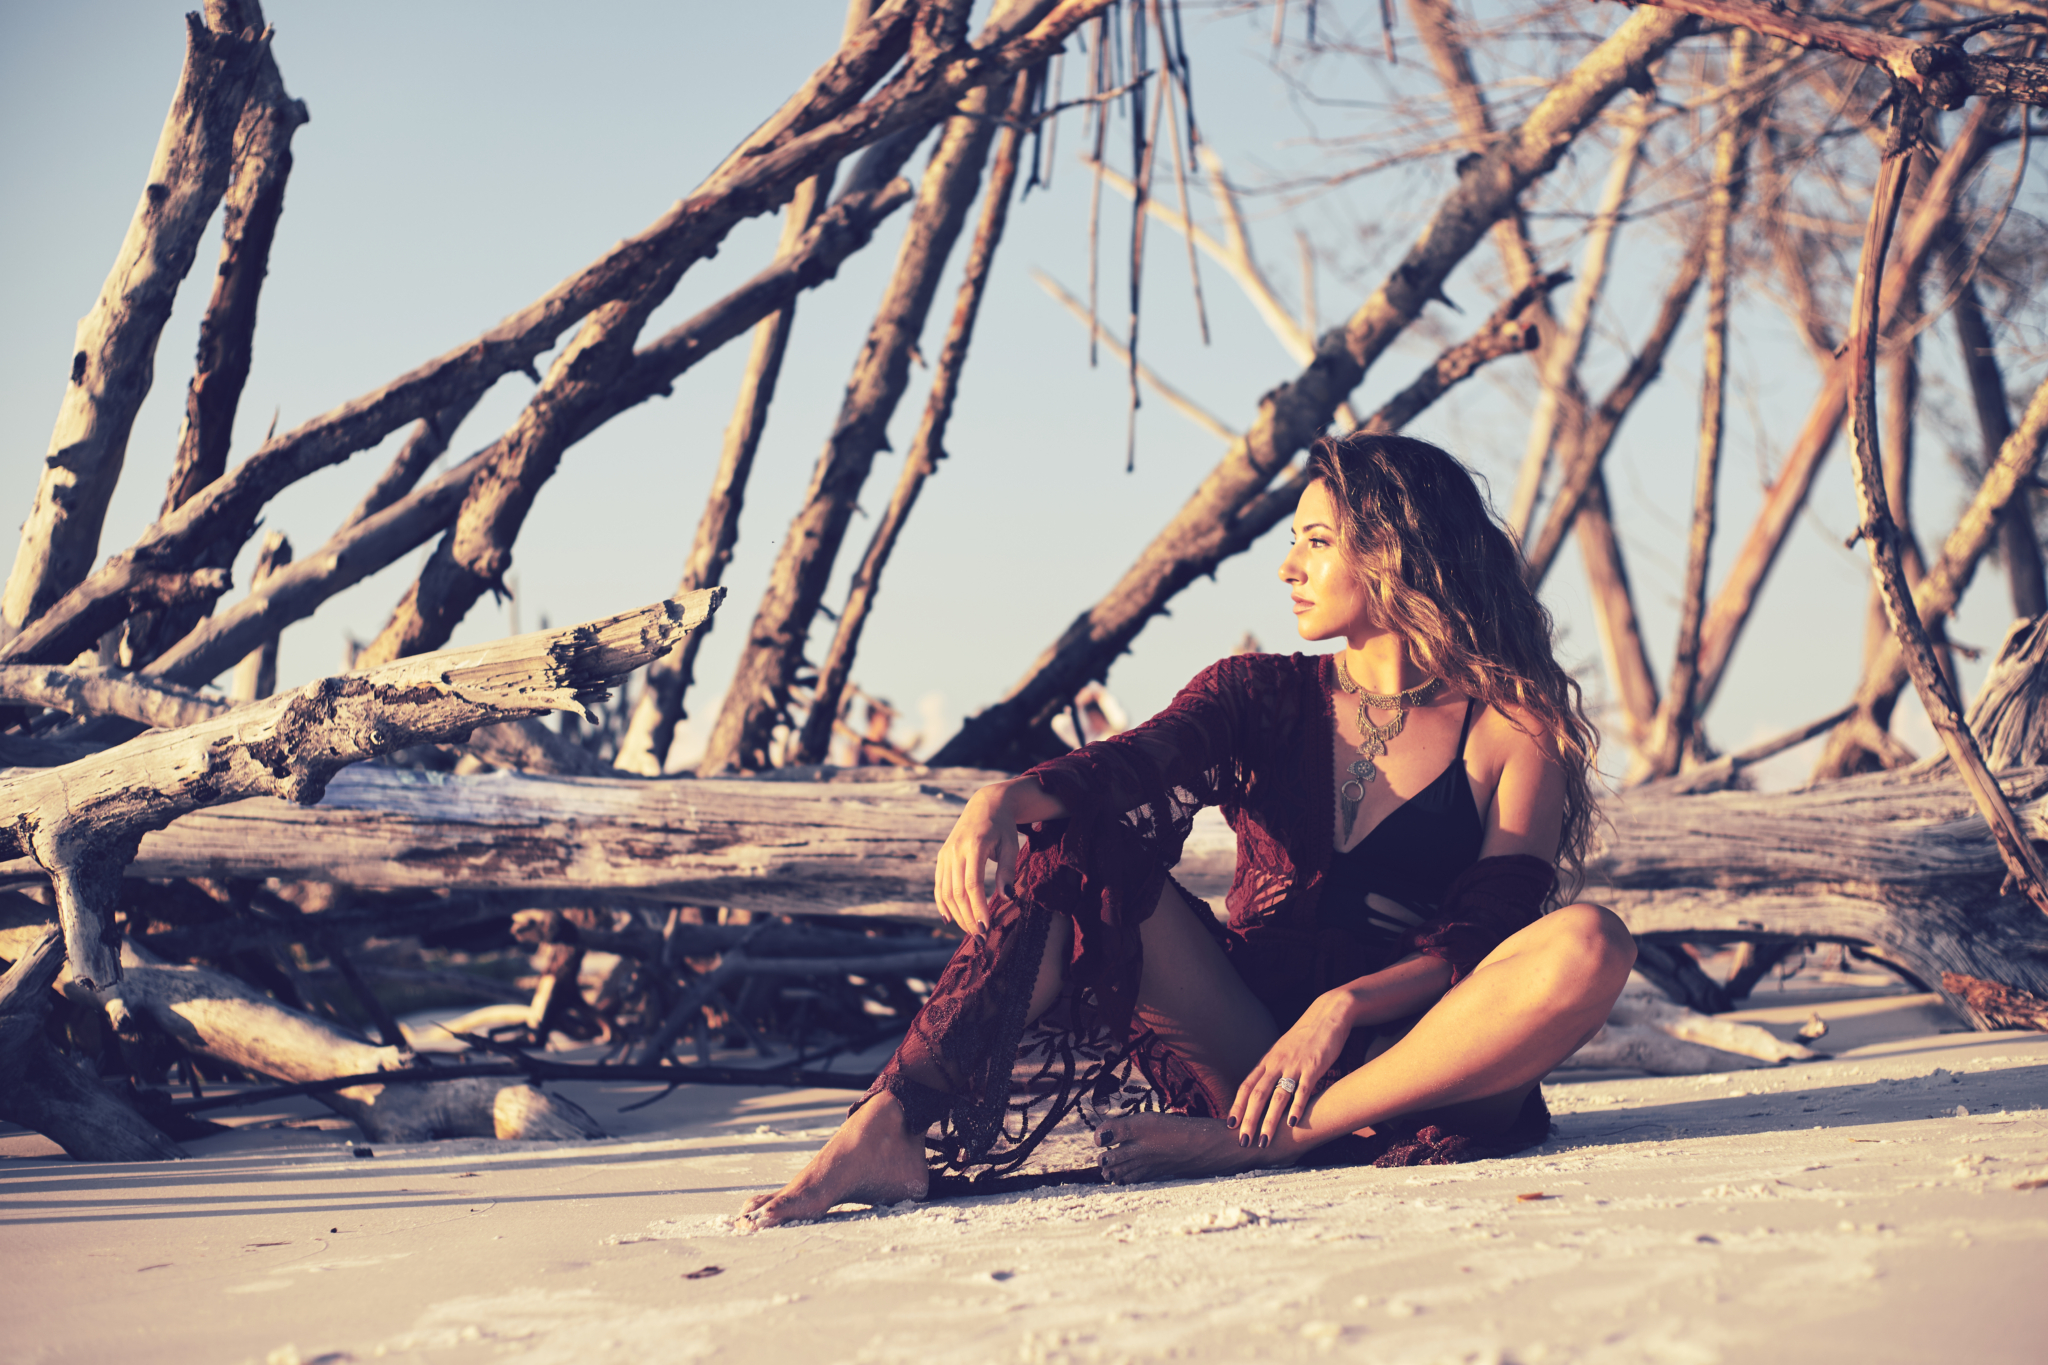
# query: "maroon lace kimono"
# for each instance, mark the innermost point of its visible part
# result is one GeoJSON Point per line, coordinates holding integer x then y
{"type": "Point", "coordinates": [1253, 735]}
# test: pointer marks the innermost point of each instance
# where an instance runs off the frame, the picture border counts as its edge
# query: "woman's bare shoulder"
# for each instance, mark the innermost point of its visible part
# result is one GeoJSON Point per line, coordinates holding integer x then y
{"type": "Point", "coordinates": [1505, 733]}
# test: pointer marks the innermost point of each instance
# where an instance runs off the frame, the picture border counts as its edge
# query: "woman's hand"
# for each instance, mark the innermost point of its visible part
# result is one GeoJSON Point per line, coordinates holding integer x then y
{"type": "Point", "coordinates": [985, 831]}
{"type": "Point", "coordinates": [1304, 1053]}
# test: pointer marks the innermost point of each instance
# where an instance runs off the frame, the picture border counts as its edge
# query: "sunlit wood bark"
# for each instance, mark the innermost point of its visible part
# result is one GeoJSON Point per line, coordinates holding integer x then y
{"type": "Point", "coordinates": [1880, 535]}
{"type": "Point", "coordinates": [227, 332]}
{"type": "Point", "coordinates": [757, 700]}
{"type": "Point", "coordinates": [81, 823]}
{"type": "Point", "coordinates": [1746, 575]}
{"type": "Point", "coordinates": [1675, 735]}
{"type": "Point", "coordinates": [2019, 543]}
{"type": "Point", "coordinates": [369, 543]}
{"type": "Point", "coordinates": [114, 355]}
{"type": "Point", "coordinates": [256, 675]}
{"type": "Point", "coordinates": [927, 447]}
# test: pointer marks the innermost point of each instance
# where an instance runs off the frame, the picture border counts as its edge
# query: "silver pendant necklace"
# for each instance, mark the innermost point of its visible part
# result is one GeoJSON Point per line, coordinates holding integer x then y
{"type": "Point", "coordinates": [1373, 739]}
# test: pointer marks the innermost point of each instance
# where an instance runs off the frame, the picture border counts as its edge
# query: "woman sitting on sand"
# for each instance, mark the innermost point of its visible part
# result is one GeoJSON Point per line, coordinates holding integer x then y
{"type": "Point", "coordinates": [1385, 989]}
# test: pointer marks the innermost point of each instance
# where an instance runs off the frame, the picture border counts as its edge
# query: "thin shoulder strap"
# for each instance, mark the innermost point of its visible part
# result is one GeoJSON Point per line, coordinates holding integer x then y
{"type": "Point", "coordinates": [1470, 704]}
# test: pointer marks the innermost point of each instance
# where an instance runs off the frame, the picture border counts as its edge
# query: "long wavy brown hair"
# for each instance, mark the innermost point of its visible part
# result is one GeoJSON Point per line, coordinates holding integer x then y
{"type": "Point", "coordinates": [1439, 570]}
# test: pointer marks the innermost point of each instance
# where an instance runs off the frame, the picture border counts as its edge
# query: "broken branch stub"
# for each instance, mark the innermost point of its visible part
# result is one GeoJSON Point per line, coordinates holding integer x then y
{"type": "Point", "coordinates": [82, 822]}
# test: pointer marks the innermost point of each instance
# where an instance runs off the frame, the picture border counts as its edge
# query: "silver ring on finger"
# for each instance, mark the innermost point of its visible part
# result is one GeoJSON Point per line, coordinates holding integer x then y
{"type": "Point", "coordinates": [1287, 1085]}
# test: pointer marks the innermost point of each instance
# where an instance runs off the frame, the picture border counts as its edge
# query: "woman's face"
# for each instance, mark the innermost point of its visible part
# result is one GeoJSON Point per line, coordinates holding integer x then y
{"type": "Point", "coordinates": [1328, 600]}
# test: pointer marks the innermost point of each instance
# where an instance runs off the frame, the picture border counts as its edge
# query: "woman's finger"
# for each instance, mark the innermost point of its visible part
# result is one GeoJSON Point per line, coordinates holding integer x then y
{"type": "Point", "coordinates": [1006, 860]}
{"type": "Point", "coordinates": [1297, 1112]}
{"type": "Point", "coordinates": [977, 898]}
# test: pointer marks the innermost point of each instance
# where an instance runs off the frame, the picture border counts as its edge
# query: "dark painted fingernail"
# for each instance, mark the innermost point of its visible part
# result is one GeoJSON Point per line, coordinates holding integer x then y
{"type": "Point", "coordinates": [1244, 1139]}
{"type": "Point", "coordinates": [1293, 1122]}
{"type": "Point", "coordinates": [1231, 1121]}
{"type": "Point", "coordinates": [1265, 1139]}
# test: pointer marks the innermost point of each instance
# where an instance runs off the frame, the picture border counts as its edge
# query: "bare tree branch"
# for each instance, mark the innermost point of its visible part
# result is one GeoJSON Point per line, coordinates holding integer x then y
{"type": "Point", "coordinates": [250, 211]}
{"type": "Point", "coordinates": [366, 544]}
{"type": "Point", "coordinates": [1674, 736]}
{"type": "Point", "coordinates": [1291, 415]}
{"type": "Point", "coordinates": [1941, 74]}
{"type": "Point", "coordinates": [113, 360]}
{"type": "Point", "coordinates": [757, 700]}
{"type": "Point", "coordinates": [1880, 535]}
{"type": "Point", "coordinates": [928, 447]}
{"type": "Point", "coordinates": [822, 122]}
{"type": "Point", "coordinates": [86, 692]}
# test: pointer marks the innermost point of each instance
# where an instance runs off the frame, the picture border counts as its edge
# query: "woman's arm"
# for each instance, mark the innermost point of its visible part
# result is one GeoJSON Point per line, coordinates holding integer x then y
{"type": "Point", "coordinates": [987, 830]}
{"type": "Point", "coordinates": [1201, 727]}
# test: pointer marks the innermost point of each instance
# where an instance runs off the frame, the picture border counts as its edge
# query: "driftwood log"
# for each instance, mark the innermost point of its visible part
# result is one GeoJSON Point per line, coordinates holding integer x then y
{"type": "Point", "coordinates": [82, 822]}
{"type": "Point", "coordinates": [1898, 864]}
{"type": "Point", "coordinates": [212, 1013]}
{"type": "Point", "coordinates": [45, 1090]}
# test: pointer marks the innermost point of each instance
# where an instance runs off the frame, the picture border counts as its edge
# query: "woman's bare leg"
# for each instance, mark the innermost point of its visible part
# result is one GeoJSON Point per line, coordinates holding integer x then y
{"type": "Point", "coordinates": [1532, 1003]}
{"type": "Point", "coordinates": [875, 1158]}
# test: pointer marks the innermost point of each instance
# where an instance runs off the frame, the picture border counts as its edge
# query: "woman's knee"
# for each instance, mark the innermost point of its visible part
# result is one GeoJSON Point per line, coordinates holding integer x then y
{"type": "Point", "coordinates": [1586, 945]}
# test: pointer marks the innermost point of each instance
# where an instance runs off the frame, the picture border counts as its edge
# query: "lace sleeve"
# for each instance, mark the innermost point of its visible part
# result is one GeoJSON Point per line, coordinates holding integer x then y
{"type": "Point", "coordinates": [1187, 752]}
{"type": "Point", "coordinates": [1489, 901]}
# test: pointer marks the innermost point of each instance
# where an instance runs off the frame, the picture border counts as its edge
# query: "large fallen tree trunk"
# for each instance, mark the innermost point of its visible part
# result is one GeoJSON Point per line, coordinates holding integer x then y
{"type": "Point", "coordinates": [1896, 864]}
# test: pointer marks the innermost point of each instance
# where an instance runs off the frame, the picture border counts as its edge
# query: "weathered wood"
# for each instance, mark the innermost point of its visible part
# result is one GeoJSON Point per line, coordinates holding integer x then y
{"type": "Point", "coordinates": [1293, 413]}
{"type": "Point", "coordinates": [2019, 543]}
{"type": "Point", "coordinates": [927, 447]}
{"type": "Point", "coordinates": [821, 123]}
{"type": "Point", "coordinates": [1880, 535]}
{"type": "Point", "coordinates": [1674, 737]}
{"type": "Point", "coordinates": [1924, 230]}
{"type": "Point", "coordinates": [212, 1013]}
{"type": "Point", "coordinates": [1560, 363]}
{"type": "Point", "coordinates": [256, 674]}
{"type": "Point", "coordinates": [114, 355]}
{"type": "Point", "coordinates": [652, 730]}
{"type": "Point", "coordinates": [86, 692]}
{"type": "Point", "coordinates": [49, 1093]}
{"type": "Point", "coordinates": [1897, 863]}
{"type": "Point", "coordinates": [473, 557]}
{"type": "Point", "coordinates": [2009, 715]}
{"type": "Point", "coordinates": [1941, 74]}
{"type": "Point", "coordinates": [757, 700]}
{"type": "Point", "coordinates": [372, 541]}
{"type": "Point", "coordinates": [81, 822]}
{"type": "Point", "coordinates": [250, 211]}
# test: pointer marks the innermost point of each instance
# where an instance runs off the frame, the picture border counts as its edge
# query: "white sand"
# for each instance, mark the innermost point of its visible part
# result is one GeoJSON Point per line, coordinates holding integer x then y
{"type": "Point", "coordinates": [1863, 1208]}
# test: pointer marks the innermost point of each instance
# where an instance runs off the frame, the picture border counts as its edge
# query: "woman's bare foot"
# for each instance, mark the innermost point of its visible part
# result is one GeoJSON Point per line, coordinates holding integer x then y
{"type": "Point", "coordinates": [1170, 1147]}
{"type": "Point", "coordinates": [873, 1159]}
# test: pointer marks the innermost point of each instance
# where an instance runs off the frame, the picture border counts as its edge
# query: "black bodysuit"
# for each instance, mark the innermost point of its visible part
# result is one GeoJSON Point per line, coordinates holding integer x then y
{"type": "Point", "coordinates": [1411, 857]}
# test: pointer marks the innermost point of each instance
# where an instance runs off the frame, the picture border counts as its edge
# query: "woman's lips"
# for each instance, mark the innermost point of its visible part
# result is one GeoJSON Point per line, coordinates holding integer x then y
{"type": "Point", "coordinates": [1301, 605]}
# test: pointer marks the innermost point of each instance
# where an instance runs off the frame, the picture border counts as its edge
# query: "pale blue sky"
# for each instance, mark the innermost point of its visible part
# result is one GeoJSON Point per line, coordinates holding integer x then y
{"type": "Point", "coordinates": [464, 156]}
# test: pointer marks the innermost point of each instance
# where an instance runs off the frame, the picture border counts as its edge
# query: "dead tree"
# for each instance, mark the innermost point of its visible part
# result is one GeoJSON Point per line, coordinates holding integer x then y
{"type": "Point", "coordinates": [114, 358]}
{"type": "Point", "coordinates": [927, 448]}
{"type": "Point", "coordinates": [46, 1091]}
{"type": "Point", "coordinates": [757, 700]}
{"type": "Point", "coordinates": [1674, 736]}
{"type": "Point", "coordinates": [830, 117]}
{"type": "Point", "coordinates": [1291, 415]}
{"type": "Point", "coordinates": [250, 211]}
